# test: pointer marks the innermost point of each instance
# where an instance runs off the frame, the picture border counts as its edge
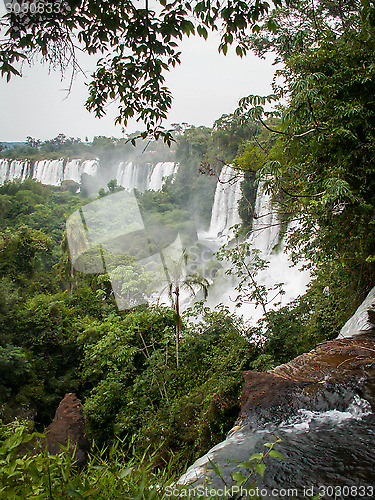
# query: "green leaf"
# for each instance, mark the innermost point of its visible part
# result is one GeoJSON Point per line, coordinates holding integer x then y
{"type": "Point", "coordinates": [217, 469]}
{"type": "Point", "coordinates": [247, 464]}
{"type": "Point", "coordinates": [90, 493]}
{"type": "Point", "coordinates": [202, 32]}
{"type": "Point", "coordinates": [276, 454]}
{"type": "Point", "coordinates": [260, 468]}
{"type": "Point", "coordinates": [239, 51]}
{"type": "Point", "coordinates": [272, 25]}
{"type": "Point", "coordinates": [74, 494]}
{"type": "Point", "coordinates": [238, 477]}
{"type": "Point", "coordinates": [125, 472]}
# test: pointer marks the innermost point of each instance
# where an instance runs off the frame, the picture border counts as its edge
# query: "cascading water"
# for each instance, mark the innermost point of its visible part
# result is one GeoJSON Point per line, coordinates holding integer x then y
{"type": "Point", "coordinates": [89, 167]}
{"type": "Point", "coordinates": [264, 237]}
{"type": "Point", "coordinates": [48, 172]}
{"type": "Point", "coordinates": [319, 455]}
{"type": "Point", "coordinates": [3, 171]}
{"type": "Point", "coordinates": [75, 168]}
{"type": "Point", "coordinates": [15, 169]}
{"type": "Point", "coordinates": [320, 404]}
{"type": "Point", "coordinates": [225, 208]}
{"type": "Point", "coordinates": [145, 177]}
{"type": "Point", "coordinates": [72, 170]}
{"type": "Point", "coordinates": [362, 320]}
{"type": "Point", "coordinates": [132, 176]}
{"type": "Point", "coordinates": [266, 224]}
{"type": "Point", "coordinates": [159, 174]}
{"type": "Point", "coordinates": [54, 172]}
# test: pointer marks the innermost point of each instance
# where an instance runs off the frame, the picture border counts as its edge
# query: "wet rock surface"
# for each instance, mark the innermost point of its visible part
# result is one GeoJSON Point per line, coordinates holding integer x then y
{"type": "Point", "coordinates": [337, 360]}
{"type": "Point", "coordinates": [68, 428]}
{"type": "Point", "coordinates": [321, 404]}
{"type": "Point", "coordinates": [326, 378]}
{"type": "Point", "coordinates": [265, 392]}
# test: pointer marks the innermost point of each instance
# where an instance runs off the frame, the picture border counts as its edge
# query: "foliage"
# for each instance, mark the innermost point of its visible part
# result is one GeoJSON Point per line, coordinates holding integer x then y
{"type": "Point", "coordinates": [137, 389]}
{"type": "Point", "coordinates": [253, 468]}
{"type": "Point", "coordinates": [178, 282]}
{"type": "Point", "coordinates": [117, 352]}
{"type": "Point", "coordinates": [38, 322]}
{"type": "Point", "coordinates": [245, 264]}
{"type": "Point", "coordinates": [60, 330]}
{"type": "Point", "coordinates": [321, 165]}
{"type": "Point", "coordinates": [112, 188]}
{"type": "Point", "coordinates": [14, 368]}
{"type": "Point", "coordinates": [28, 470]}
{"type": "Point", "coordinates": [140, 42]}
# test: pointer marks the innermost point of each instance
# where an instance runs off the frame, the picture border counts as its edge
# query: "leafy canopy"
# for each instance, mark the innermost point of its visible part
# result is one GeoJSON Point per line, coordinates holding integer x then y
{"type": "Point", "coordinates": [323, 96]}
{"type": "Point", "coordinates": [138, 44]}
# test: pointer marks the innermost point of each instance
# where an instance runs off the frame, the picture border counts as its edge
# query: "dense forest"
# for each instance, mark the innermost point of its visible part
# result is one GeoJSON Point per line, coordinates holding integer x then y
{"type": "Point", "coordinates": [159, 386]}
{"type": "Point", "coordinates": [61, 330]}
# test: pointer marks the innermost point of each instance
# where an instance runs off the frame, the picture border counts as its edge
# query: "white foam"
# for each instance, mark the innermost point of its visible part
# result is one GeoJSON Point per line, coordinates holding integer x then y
{"type": "Point", "coordinates": [305, 418]}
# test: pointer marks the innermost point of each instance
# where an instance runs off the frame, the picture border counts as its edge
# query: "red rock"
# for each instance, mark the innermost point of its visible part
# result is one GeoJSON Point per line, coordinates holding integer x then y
{"type": "Point", "coordinates": [68, 427]}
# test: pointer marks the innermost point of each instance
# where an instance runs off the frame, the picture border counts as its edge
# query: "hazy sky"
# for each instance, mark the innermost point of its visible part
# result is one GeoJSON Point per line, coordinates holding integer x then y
{"type": "Point", "coordinates": [205, 86]}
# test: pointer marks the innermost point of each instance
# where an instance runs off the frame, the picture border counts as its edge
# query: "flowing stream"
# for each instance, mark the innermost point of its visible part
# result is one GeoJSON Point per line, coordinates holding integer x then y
{"type": "Point", "coordinates": [321, 407]}
{"type": "Point", "coordinates": [329, 452]}
{"type": "Point", "coordinates": [326, 423]}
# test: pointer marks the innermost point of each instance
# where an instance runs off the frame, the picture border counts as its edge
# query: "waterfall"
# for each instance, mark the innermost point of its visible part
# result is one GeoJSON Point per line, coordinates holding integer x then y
{"type": "Point", "coordinates": [72, 170]}
{"type": "Point", "coordinates": [132, 176]}
{"type": "Point", "coordinates": [14, 170]}
{"type": "Point", "coordinates": [159, 174]}
{"type": "Point", "coordinates": [48, 172]}
{"type": "Point", "coordinates": [362, 320]}
{"type": "Point", "coordinates": [75, 168]}
{"type": "Point", "coordinates": [264, 237]}
{"type": "Point", "coordinates": [266, 226]}
{"type": "Point", "coordinates": [145, 177]}
{"type": "Point", "coordinates": [89, 167]}
{"type": "Point", "coordinates": [3, 171]}
{"type": "Point", "coordinates": [225, 208]}
{"type": "Point", "coordinates": [53, 172]}
{"type": "Point", "coordinates": [320, 405]}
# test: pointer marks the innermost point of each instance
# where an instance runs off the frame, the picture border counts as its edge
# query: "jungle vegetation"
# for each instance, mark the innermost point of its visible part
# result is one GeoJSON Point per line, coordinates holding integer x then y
{"type": "Point", "coordinates": [311, 141]}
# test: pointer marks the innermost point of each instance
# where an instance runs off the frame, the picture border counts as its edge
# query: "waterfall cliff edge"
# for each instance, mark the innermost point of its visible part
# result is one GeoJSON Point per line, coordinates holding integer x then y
{"type": "Point", "coordinates": [321, 405]}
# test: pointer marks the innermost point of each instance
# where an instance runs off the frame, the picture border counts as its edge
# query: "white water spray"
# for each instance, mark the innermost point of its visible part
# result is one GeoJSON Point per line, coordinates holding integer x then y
{"type": "Point", "coordinates": [145, 177]}
{"type": "Point", "coordinates": [264, 237]}
{"type": "Point", "coordinates": [48, 172]}
{"type": "Point", "coordinates": [225, 208]}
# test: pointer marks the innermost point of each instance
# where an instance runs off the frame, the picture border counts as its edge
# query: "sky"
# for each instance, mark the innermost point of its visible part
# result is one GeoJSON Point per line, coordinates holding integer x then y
{"type": "Point", "coordinates": [205, 86]}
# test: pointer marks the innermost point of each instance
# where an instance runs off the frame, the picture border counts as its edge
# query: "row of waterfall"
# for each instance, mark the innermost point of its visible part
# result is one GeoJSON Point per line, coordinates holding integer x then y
{"type": "Point", "coordinates": [264, 236]}
{"type": "Point", "coordinates": [144, 177]}
{"type": "Point", "coordinates": [48, 172]}
{"type": "Point", "coordinates": [54, 172]}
